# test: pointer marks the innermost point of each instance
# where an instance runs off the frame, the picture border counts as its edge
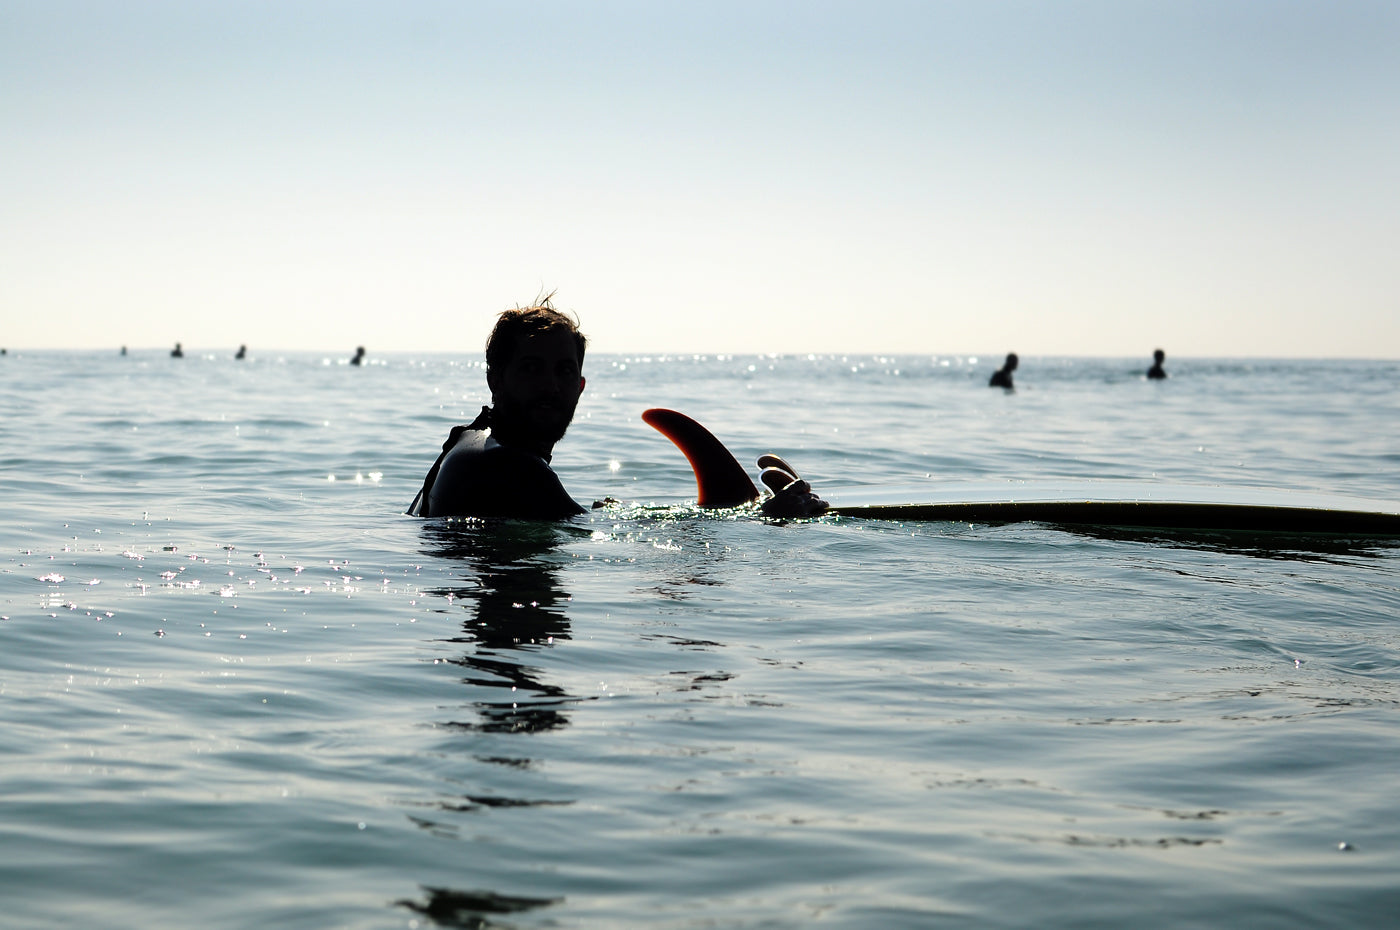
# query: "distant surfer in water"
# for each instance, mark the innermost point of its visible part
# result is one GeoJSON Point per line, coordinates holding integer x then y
{"type": "Point", "coordinates": [177, 352]}
{"type": "Point", "coordinates": [359, 358]}
{"type": "Point", "coordinates": [498, 465]}
{"type": "Point", "coordinates": [242, 352]}
{"type": "Point", "coordinates": [1002, 376]}
{"type": "Point", "coordinates": [1157, 371]}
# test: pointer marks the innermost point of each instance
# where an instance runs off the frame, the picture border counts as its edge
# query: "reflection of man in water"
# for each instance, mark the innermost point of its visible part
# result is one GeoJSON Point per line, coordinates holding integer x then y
{"type": "Point", "coordinates": [498, 466]}
{"type": "Point", "coordinates": [1157, 371]}
{"type": "Point", "coordinates": [514, 601]}
{"type": "Point", "coordinates": [515, 607]}
{"type": "Point", "coordinates": [1002, 376]}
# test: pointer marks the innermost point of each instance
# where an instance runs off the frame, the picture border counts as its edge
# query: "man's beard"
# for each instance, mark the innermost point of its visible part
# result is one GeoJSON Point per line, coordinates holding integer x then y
{"type": "Point", "coordinates": [512, 421]}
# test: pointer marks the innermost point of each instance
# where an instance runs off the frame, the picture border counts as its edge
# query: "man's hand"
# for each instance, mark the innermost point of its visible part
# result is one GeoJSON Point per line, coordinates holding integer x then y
{"type": "Point", "coordinates": [792, 496]}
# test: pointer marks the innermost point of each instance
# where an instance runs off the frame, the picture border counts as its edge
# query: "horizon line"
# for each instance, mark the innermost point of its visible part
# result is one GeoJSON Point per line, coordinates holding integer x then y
{"type": "Point", "coordinates": [593, 352]}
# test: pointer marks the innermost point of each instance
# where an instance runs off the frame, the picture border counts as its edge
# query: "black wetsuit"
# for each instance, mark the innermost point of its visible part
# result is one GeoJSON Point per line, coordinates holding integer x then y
{"type": "Point", "coordinates": [476, 476]}
{"type": "Point", "coordinates": [1000, 378]}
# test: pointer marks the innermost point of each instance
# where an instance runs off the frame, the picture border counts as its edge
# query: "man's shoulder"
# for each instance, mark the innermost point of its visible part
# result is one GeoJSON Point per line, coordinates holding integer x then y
{"type": "Point", "coordinates": [481, 477]}
{"type": "Point", "coordinates": [475, 449]}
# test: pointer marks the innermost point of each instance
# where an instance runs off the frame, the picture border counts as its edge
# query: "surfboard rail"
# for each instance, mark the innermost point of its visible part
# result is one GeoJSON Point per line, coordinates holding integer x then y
{"type": "Point", "coordinates": [1126, 504]}
{"type": "Point", "coordinates": [1140, 514]}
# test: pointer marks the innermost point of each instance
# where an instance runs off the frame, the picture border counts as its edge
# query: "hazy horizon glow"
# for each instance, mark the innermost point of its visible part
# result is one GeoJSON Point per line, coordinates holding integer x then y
{"type": "Point", "coordinates": [1219, 179]}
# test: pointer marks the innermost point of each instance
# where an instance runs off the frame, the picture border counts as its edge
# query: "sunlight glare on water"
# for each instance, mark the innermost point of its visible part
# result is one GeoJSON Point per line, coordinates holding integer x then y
{"type": "Point", "coordinates": [241, 688]}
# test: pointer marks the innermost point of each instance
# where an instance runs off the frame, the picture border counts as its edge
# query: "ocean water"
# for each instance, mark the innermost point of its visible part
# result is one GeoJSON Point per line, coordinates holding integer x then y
{"type": "Point", "coordinates": [239, 688]}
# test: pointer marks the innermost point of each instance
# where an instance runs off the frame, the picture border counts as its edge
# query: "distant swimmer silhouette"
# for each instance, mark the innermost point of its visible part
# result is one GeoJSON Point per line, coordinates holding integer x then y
{"type": "Point", "coordinates": [242, 352]}
{"type": "Point", "coordinates": [177, 352]}
{"type": "Point", "coordinates": [1002, 376]}
{"type": "Point", "coordinates": [1156, 371]}
{"type": "Point", "coordinates": [123, 350]}
{"type": "Point", "coordinates": [359, 358]}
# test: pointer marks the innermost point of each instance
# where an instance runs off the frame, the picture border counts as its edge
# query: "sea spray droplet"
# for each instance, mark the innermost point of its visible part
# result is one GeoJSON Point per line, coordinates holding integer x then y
{"type": "Point", "coordinates": [51, 577]}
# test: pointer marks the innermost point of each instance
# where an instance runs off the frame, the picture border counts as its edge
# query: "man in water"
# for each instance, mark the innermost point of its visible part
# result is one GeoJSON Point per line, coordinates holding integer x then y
{"type": "Point", "coordinates": [1002, 376]}
{"type": "Point", "coordinates": [1157, 371]}
{"type": "Point", "coordinates": [498, 465]}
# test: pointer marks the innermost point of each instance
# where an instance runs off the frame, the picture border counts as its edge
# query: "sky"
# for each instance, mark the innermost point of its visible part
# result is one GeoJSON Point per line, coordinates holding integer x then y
{"type": "Point", "coordinates": [1217, 178]}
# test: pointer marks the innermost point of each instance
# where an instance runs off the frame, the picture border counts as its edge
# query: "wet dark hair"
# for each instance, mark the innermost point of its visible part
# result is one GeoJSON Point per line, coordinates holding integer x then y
{"type": "Point", "coordinates": [520, 323]}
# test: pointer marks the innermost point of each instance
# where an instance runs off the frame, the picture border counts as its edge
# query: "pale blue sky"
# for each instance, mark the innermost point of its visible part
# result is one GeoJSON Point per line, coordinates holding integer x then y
{"type": "Point", "coordinates": [1096, 178]}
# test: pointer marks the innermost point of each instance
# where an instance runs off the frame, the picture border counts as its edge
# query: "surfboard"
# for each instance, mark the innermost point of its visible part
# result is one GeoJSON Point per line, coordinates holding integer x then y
{"type": "Point", "coordinates": [1124, 504]}
{"type": "Point", "coordinates": [722, 482]}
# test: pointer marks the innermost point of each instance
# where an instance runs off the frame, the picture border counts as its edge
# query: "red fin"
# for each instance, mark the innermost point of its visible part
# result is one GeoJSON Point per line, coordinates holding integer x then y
{"type": "Point", "coordinates": [720, 478]}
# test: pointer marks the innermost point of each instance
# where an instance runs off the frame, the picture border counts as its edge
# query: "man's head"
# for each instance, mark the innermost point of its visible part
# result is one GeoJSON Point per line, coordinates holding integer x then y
{"type": "Point", "coordinates": [512, 326]}
{"type": "Point", "coordinates": [534, 362]}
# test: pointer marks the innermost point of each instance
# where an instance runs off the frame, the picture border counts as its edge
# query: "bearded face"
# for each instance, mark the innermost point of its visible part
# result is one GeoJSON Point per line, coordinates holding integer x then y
{"type": "Point", "coordinates": [535, 394]}
{"type": "Point", "coordinates": [533, 420]}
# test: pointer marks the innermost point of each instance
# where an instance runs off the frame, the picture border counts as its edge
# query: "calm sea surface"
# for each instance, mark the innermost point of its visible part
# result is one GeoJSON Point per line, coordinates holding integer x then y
{"type": "Point", "coordinates": [239, 688]}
